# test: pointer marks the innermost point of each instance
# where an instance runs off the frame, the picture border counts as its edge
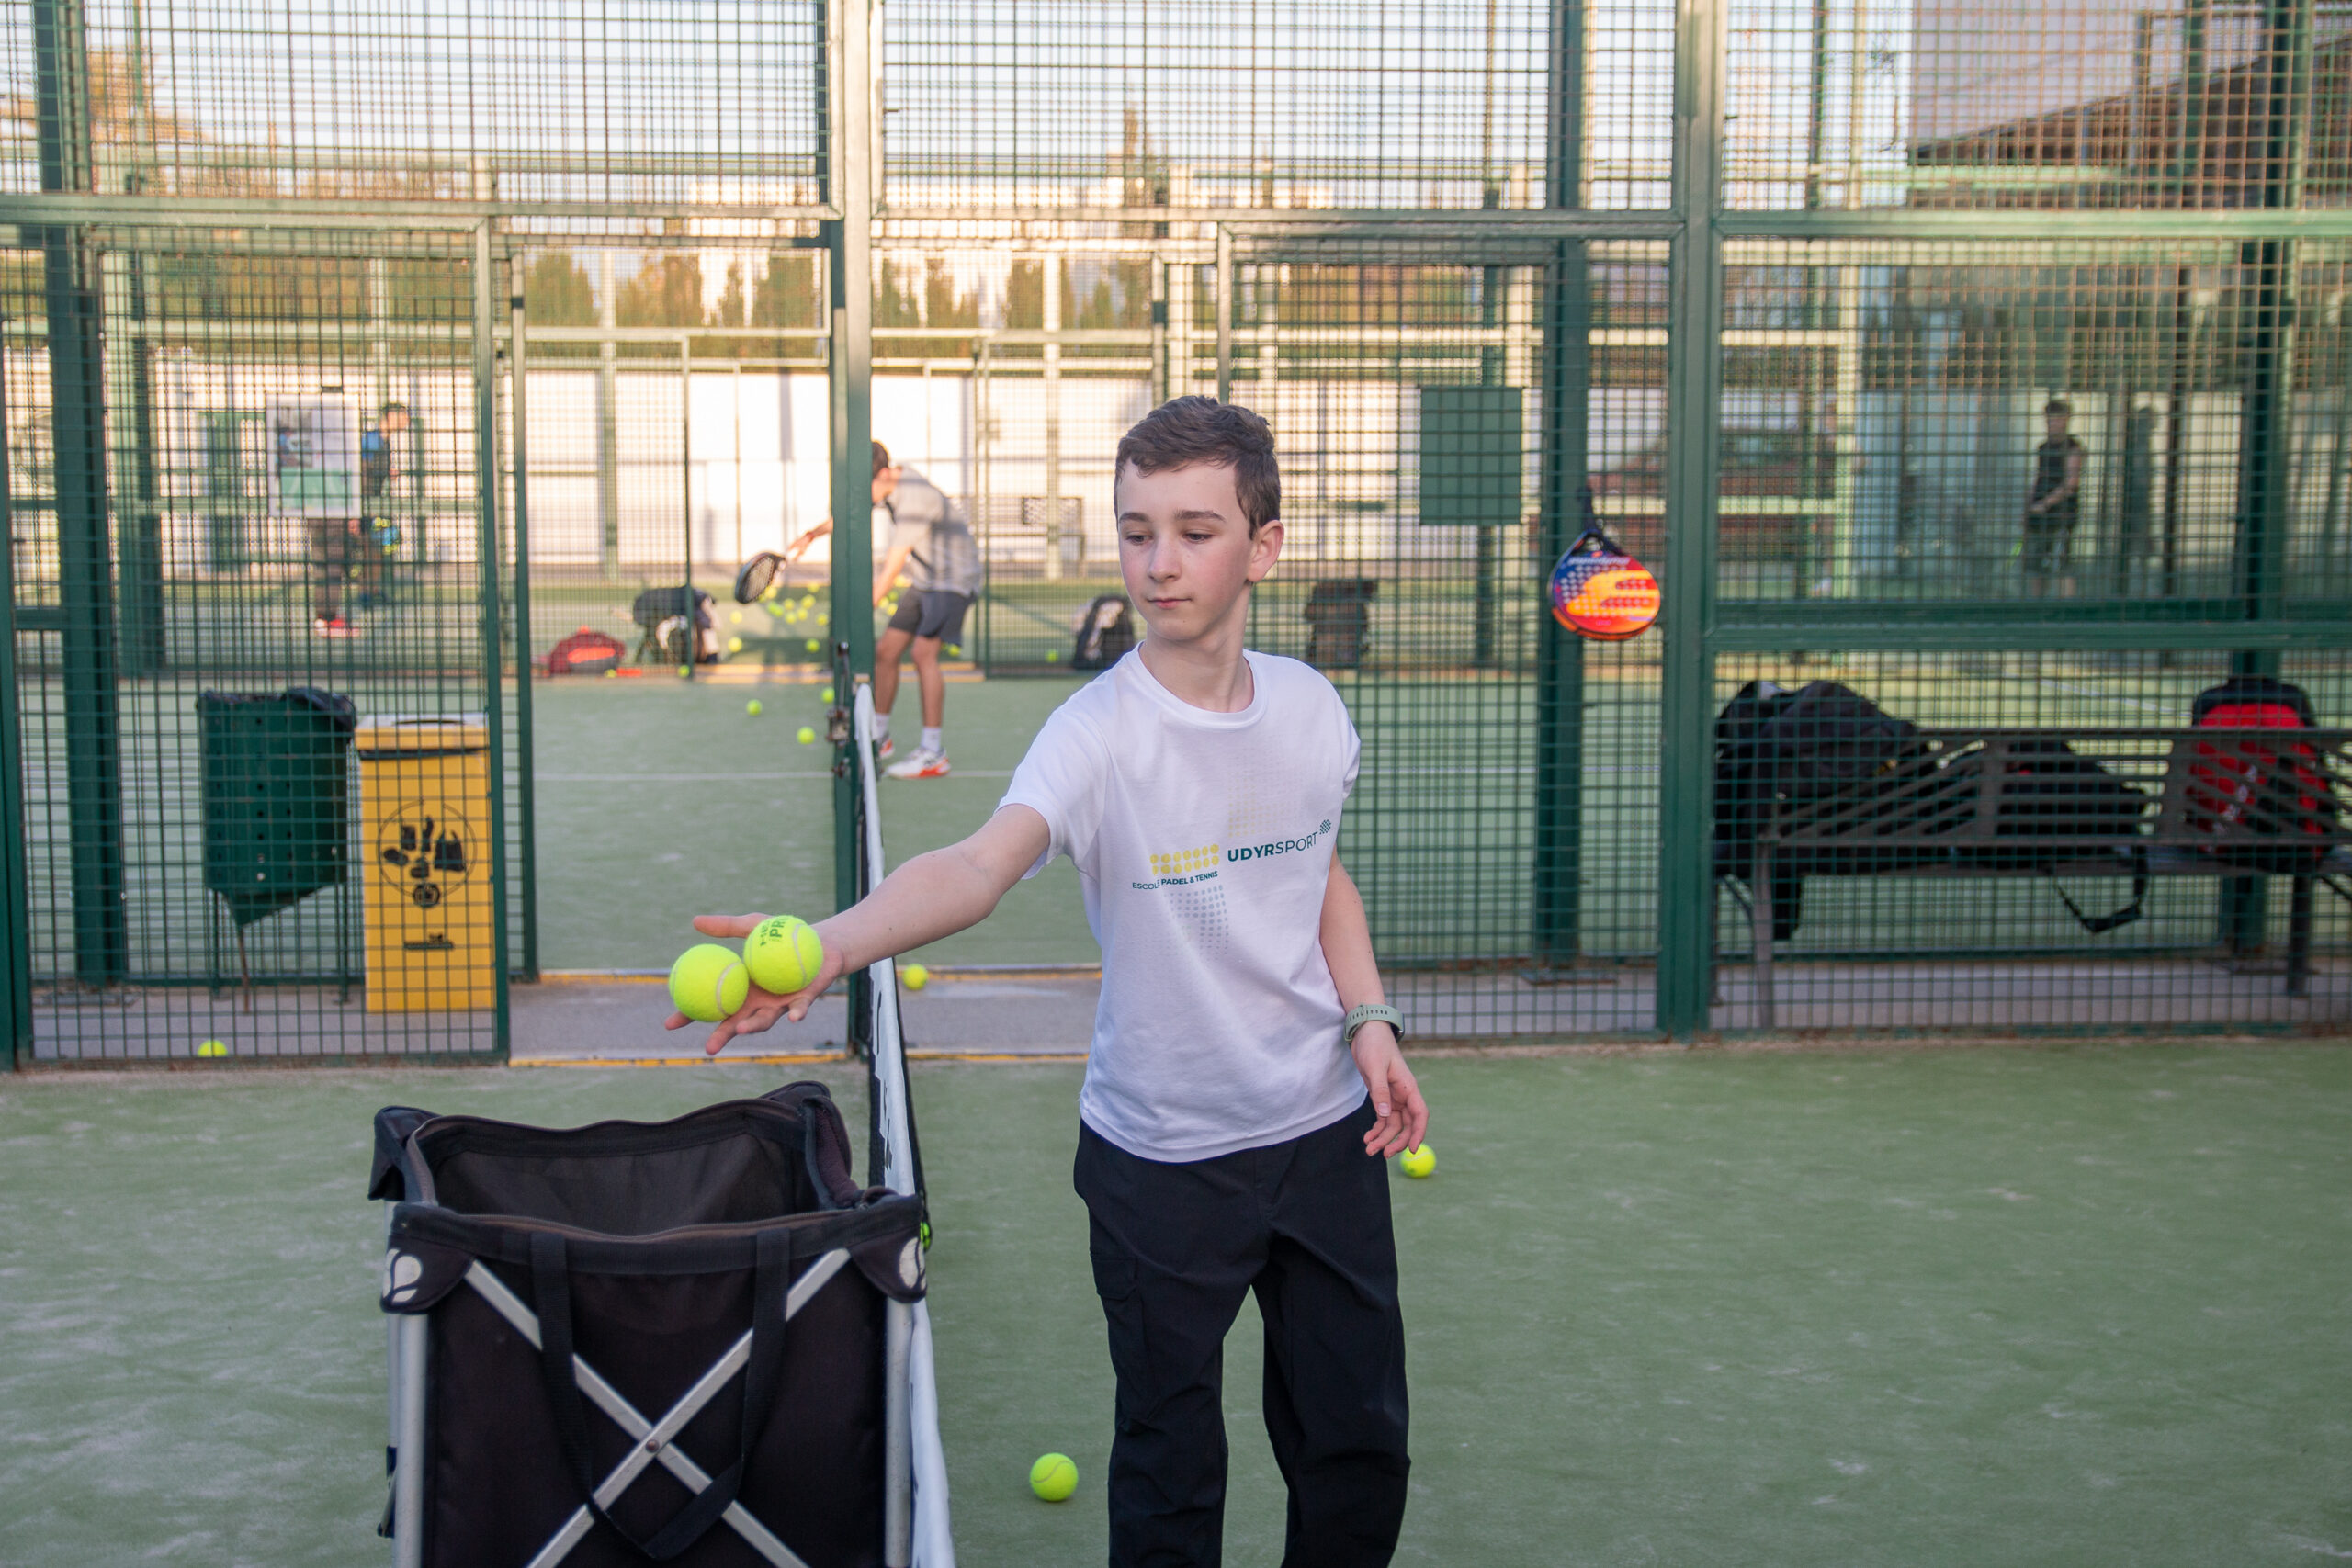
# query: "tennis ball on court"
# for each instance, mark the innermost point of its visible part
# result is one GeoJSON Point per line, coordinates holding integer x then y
{"type": "Point", "coordinates": [752, 707]}
{"type": "Point", "coordinates": [734, 645]}
{"type": "Point", "coordinates": [915, 976]}
{"type": "Point", "coordinates": [825, 695]}
{"type": "Point", "coordinates": [812, 645]}
{"type": "Point", "coordinates": [684, 671]}
{"type": "Point", "coordinates": [610, 675]}
{"type": "Point", "coordinates": [708, 982]}
{"type": "Point", "coordinates": [783, 954]}
{"type": "Point", "coordinates": [1419, 1162]}
{"type": "Point", "coordinates": [807, 737]}
{"type": "Point", "coordinates": [1053, 1477]}
{"type": "Point", "coordinates": [1052, 657]}
{"type": "Point", "coordinates": [212, 1048]}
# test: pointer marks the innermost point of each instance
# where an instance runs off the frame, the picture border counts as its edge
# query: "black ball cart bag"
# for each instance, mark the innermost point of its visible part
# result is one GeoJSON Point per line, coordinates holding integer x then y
{"type": "Point", "coordinates": [641, 1342]}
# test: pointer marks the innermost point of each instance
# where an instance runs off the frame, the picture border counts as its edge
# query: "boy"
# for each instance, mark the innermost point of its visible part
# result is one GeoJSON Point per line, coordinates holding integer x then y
{"type": "Point", "coordinates": [927, 539]}
{"type": "Point", "coordinates": [1245, 1077]}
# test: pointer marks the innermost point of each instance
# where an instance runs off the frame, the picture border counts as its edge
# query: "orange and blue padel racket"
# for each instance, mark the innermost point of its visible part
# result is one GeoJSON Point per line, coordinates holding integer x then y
{"type": "Point", "coordinates": [1599, 591]}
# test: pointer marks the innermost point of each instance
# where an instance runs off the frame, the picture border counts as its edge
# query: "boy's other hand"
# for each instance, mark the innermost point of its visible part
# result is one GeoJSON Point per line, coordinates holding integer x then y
{"type": "Point", "coordinates": [1396, 1097]}
{"type": "Point", "coordinates": [761, 1010]}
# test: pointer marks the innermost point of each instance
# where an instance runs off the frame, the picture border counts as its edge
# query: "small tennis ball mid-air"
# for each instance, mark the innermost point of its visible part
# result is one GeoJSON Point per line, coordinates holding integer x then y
{"type": "Point", "coordinates": [1419, 1162]}
{"type": "Point", "coordinates": [212, 1048]}
{"type": "Point", "coordinates": [708, 982]}
{"type": "Point", "coordinates": [783, 954]}
{"type": "Point", "coordinates": [807, 737]}
{"type": "Point", "coordinates": [1053, 1477]}
{"type": "Point", "coordinates": [915, 976]}
{"type": "Point", "coordinates": [752, 707]}
{"type": "Point", "coordinates": [812, 645]}
{"type": "Point", "coordinates": [825, 695]}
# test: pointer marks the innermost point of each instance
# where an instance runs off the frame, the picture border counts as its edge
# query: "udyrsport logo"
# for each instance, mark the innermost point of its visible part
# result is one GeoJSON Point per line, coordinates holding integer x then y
{"type": "Point", "coordinates": [1279, 847]}
{"type": "Point", "coordinates": [1186, 867]}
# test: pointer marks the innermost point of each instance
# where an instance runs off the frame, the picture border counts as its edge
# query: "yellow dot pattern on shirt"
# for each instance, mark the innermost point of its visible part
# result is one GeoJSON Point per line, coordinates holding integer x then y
{"type": "Point", "coordinates": [1185, 863]}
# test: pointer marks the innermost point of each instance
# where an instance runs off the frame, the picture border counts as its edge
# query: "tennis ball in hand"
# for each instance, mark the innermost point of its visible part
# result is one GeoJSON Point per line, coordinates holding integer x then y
{"type": "Point", "coordinates": [708, 983]}
{"type": "Point", "coordinates": [807, 737]}
{"type": "Point", "coordinates": [783, 954]}
{"type": "Point", "coordinates": [1419, 1162]}
{"type": "Point", "coordinates": [1053, 1477]}
{"type": "Point", "coordinates": [915, 976]}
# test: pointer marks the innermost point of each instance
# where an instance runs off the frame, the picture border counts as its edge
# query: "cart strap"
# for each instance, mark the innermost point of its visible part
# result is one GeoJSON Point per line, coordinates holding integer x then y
{"type": "Point", "coordinates": [552, 1290]}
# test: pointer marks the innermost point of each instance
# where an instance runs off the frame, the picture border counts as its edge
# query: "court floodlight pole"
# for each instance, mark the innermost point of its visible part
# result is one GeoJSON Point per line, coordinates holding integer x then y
{"type": "Point", "coordinates": [847, 78]}
{"type": "Point", "coordinates": [1694, 397]}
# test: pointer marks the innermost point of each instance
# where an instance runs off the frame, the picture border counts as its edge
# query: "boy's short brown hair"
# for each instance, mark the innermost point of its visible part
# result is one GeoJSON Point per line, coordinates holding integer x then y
{"type": "Point", "coordinates": [1184, 431]}
{"type": "Point", "coordinates": [881, 458]}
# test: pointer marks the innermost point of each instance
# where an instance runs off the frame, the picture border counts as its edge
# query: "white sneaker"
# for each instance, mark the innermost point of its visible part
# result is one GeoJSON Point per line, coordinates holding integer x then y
{"type": "Point", "coordinates": [923, 764]}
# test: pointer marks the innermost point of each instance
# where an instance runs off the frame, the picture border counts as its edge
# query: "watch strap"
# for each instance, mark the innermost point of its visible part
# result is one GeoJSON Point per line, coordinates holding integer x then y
{"type": "Point", "coordinates": [1371, 1012]}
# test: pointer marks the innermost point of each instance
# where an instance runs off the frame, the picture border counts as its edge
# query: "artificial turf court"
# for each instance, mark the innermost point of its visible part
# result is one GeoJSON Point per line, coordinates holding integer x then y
{"type": "Point", "coordinates": [2078, 1307]}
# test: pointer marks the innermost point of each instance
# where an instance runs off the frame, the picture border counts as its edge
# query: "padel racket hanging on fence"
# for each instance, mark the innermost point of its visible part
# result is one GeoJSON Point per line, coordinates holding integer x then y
{"type": "Point", "coordinates": [1599, 591]}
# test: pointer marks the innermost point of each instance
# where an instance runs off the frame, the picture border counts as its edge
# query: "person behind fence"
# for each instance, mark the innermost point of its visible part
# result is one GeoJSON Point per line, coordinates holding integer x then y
{"type": "Point", "coordinates": [927, 542]}
{"type": "Point", "coordinates": [2054, 505]}
{"type": "Point", "coordinates": [379, 536]}
{"type": "Point", "coordinates": [1245, 1077]}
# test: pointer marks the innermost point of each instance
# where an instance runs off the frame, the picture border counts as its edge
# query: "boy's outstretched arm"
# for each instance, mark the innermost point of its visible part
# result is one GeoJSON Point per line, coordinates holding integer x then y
{"type": "Point", "coordinates": [931, 896]}
{"type": "Point", "coordinates": [1347, 948]}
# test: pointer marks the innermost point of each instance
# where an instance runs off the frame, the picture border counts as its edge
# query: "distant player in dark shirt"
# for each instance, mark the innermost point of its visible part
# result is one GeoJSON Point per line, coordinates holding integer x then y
{"type": "Point", "coordinates": [2054, 505]}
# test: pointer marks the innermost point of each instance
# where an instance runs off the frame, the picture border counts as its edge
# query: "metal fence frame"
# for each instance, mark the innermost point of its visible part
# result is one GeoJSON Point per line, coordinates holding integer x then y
{"type": "Point", "coordinates": [853, 222]}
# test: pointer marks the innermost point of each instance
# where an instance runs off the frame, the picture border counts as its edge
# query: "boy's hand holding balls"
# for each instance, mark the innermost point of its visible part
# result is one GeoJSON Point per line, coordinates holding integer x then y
{"type": "Point", "coordinates": [784, 967]}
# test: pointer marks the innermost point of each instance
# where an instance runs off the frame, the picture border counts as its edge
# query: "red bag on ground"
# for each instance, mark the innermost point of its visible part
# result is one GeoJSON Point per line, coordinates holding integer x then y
{"type": "Point", "coordinates": [585, 652]}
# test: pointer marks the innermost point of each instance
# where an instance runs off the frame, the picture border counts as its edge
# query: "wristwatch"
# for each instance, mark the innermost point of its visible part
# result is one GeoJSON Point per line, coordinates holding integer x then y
{"type": "Point", "coordinates": [1371, 1012]}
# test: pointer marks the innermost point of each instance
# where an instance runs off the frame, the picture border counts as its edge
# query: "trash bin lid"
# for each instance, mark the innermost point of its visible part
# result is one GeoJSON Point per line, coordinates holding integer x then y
{"type": "Point", "coordinates": [418, 734]}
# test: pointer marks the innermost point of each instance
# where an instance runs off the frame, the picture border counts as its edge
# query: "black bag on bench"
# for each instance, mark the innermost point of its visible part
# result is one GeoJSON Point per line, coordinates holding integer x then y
{"type": "Point", "coordinates": [644, 1341]}
{"type": "Point", "coordinates": [2052, 791]}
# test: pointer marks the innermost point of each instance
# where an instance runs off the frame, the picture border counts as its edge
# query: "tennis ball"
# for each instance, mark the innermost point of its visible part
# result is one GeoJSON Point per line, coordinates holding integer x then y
{"type": "Point", "coordinates": [752, 707]}
{"type": "Point", "coordinates": [212, 1048]}
{"type": "Point", "coordinates": [783, 954]}
{"type": "Point", "coordinates": [1053, 1477]}
{"type": "Point", "coordinates": [735, 617]}
{"type": "Point", "coordinates": [807, 737]}
{"type": "Point", "coordinates": [708, 982]}
{"type": "Point", "coordinates": [954, 650]}
{"type": "Point", "coordinates": [611, 673]}
{"type": "Point", "coordinates": [734, 645]}
{"type": "Point", "coordinates": [1051, 657]}
{"type": "Point", "coordinates": [1419, 1162]}
{"type": "Point", "coordinates": [915, 976]}
{"type": "Point", "coordinates": [825, 695]}
{"type": "Point", "coordinates": [812, 645]}
{"type": "Point", "coordinates": [684, 671]}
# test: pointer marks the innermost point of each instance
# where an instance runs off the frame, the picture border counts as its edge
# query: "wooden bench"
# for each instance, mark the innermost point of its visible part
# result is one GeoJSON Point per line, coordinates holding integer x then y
{"type": "Point", "coordinates": [1938, 812]}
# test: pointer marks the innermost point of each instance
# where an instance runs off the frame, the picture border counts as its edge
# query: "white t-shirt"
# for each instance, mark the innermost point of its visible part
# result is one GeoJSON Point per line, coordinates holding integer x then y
{"type": "Point", "coordinates": [1204, 844]}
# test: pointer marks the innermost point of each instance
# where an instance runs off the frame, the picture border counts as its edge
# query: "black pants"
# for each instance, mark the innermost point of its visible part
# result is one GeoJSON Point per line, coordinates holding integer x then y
{"type": "Point", "coordinates": [1304, 1224]}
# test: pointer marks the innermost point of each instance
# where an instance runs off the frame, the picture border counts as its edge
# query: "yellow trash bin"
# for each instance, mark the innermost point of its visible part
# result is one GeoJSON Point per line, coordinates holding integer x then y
{"type": "Point", "coordinates": [425, 795]}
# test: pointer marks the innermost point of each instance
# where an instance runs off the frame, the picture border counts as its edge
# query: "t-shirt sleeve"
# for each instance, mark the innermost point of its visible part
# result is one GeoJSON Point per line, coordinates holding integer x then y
{"type": "Point", "coordinates": [1063, 779]}
{"type": "Point", "coordinates": [1351, 746]}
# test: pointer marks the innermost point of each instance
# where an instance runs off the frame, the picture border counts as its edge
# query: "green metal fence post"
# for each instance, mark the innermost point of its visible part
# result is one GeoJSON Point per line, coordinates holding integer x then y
{"type": "Point", "coordinates": [1694, 394]}
{"type": "Point", "coordinates": [16, 912]}
{"type": "Point", "coordinates": [493, 648]}
{"type": "Point", "coordinates": [850, 186]}
{"type": "Point", "coordinates": [1565, 401]}
{"type": "Point", "coordinates": [85, 565]}
{"type": "Point", "coordinates": [526, 813]}
{"type": "Point", "coordinates": [2267, 420]}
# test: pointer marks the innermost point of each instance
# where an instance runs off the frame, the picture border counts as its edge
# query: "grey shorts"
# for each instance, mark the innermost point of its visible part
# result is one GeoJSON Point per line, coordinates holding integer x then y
{"type": "Point", "coordinates": [930, 613]}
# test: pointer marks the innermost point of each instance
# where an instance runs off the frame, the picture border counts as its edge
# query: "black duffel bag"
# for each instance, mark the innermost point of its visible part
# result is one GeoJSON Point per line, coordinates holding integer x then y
{"type": "Point", "coordinates": [707, 1299]}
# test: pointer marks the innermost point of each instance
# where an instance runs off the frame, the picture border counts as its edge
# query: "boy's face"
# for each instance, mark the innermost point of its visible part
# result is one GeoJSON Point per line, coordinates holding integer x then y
{"type": "Point", "coordinates": [1185, 549]}
{"type": "Point", "coordinates": [885, 484]}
